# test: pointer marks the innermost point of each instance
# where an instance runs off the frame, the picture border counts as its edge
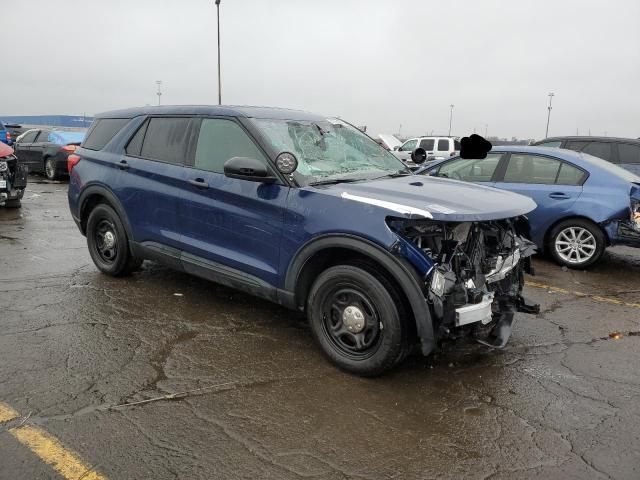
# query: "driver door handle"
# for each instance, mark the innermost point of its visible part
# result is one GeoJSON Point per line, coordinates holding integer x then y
{"type": "Point", "coordinates": [123, 165]}
{"type": "Point", "coordinates": [199, 182]}
{"type": "Point", "coordinates": [559, 196]}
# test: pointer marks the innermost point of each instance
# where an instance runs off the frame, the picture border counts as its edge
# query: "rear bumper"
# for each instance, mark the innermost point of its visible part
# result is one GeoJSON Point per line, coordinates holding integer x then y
{"type": "Point", "coordinates": [623, 232]}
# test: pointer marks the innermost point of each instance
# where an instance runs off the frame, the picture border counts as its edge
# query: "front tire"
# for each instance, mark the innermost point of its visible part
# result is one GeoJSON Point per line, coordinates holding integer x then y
{"type": "Point", "coordinates": [50, 168]}
{"type": "Point", "coordinates": [356, 321]}
{"type": "Point", "coordinates": [576, 243]}
{"type": "Point", "coordinates": [108, 243]}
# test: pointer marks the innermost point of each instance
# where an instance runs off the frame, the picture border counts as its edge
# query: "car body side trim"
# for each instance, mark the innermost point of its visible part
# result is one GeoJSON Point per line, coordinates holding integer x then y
{"type": "Point", "coordinates": [204, 268]}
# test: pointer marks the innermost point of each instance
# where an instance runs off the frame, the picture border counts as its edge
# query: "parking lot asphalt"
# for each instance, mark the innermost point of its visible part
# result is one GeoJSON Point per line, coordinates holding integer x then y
{"type": "Point", "coordinates": [238, 389]}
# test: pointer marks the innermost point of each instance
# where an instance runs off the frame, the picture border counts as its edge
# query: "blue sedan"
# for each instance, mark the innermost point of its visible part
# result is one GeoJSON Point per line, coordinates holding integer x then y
{"type": "Point", "coordinates": [585, 204]}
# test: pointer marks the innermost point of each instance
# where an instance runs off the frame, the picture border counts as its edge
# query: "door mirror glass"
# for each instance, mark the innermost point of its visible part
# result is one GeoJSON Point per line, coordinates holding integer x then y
{"type": "Point", "coordinates": [244, 168]}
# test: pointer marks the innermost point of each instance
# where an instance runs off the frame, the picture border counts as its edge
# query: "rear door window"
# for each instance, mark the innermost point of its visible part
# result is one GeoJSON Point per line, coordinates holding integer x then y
{"type": "Point", "coordinates": [43, 136]}
{"type": "Point", "coordinates": [628, 153]}
{"type": "Point", "coordinates": [599, 149]}
{"type": "Point", "coordinates": [103, 131]}
{"type": "Point", "coordinates": [427, 144]}
{"type": "Point", "coordinates": [166, 139]}
{"type": "Point", "coordinates": [443, 145]}
{"type": "Point", "coordinates": [218, 141]}
{"type": "Point", "coordinates": [575, 145]}
{"type": "Point", "coordinates": [523, 168]}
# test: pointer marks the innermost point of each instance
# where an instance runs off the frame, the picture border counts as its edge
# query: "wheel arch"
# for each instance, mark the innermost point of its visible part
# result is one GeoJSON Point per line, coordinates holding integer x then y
{"type": "Point", "coordinates": [329, 250]}
{"type": "Point", "coordinates": [547, 233]}
{"type": "Point", "coordinates": [94, 195]}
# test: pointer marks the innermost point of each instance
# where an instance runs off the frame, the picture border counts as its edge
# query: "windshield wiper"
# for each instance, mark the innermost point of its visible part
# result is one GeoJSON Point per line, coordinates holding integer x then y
{"type": "Point", "coordinates": [333, 181]}
{"type": "Point", "coordinates": [399, 173]}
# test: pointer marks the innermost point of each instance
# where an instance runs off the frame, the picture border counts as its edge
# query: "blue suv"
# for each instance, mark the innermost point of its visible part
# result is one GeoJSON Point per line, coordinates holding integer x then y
{"type": "Point", "coordinates": [308, 212]}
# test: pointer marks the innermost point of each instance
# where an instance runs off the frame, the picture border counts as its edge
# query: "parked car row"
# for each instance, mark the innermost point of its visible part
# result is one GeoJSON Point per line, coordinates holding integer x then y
{"type": "Point", "coordinates": [436, 148]}
{"type": "Point", "coordinates": [13, 178]}
{"type": "Point", "coordinates": [47, 150]}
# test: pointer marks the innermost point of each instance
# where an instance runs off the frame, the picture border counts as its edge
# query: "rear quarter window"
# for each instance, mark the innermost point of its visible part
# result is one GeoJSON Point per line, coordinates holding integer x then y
{"type": "Point", "coordinates": [102, 131]}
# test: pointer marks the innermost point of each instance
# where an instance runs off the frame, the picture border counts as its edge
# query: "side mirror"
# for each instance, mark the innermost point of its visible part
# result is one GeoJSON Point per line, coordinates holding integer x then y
{"type": "Point", "coordinates": [396, 148]}
{"type": "Point", "coordinates": [419, 155]}
{"type": "Point", "coordinates": [249, 169]}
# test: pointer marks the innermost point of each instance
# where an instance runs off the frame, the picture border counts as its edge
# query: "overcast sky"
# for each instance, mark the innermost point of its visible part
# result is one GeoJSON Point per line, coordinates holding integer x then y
{"type": "Point", "coordinates": [374, 63]}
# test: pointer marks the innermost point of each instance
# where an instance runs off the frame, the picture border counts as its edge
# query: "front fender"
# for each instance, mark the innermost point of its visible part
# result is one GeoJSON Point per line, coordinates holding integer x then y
{"type": "Point", "coordinates": [403, 273]}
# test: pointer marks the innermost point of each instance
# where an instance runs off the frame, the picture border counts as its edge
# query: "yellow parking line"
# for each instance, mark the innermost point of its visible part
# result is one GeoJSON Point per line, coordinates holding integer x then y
{"type": "Point", "coordinates": [7, 413]}
{"type": "Point", "coordinates": [596, 298]}
{"type": "Point", "coordinates": [51, 451]}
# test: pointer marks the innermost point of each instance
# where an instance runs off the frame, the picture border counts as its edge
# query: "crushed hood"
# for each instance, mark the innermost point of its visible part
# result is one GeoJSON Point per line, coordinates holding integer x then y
{"type": "Point", "coordinates": [437, 198]}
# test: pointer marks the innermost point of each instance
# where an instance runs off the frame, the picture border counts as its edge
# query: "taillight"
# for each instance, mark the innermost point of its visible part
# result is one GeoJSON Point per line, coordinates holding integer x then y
{"type": "Point", "coordinates": [72, 161]}
{"type": "Point", "coordinates": [8, 136]}
{"type": "Point", "coordinates": [69, 148]}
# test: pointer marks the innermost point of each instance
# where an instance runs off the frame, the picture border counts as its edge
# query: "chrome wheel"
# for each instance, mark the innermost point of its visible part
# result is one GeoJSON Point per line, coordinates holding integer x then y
{"type": "Point", "coordinates": [575, 245]}
{"type": "Point", "coordinates": [106, 241]}
{"type": "Point", "coordinates": [50, 169]}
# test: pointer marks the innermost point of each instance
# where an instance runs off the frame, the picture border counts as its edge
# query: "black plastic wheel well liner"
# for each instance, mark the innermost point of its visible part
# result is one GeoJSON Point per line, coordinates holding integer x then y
{"type": "Point", "coordinates": [95, 195]}
{"type": "Point", "coordinates": [547, 234]}
{"type": "Point", "coordinates": [329, 250]}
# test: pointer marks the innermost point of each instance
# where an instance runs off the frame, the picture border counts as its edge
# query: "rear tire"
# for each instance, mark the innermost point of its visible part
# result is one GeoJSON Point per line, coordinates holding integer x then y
{"type": "Point", "coordinates": [108, 243]}
{"type": "Point", "coordinates": [356, 321]}
{"type": "Point", "coordinates": [16, 203]}
{"type": "Point", "coordinates": [50, 168]}
{"type": "Point", "coordinates": [576, 243]}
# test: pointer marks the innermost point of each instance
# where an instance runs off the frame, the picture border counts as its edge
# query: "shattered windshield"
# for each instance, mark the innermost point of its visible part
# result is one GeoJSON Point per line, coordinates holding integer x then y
{"type": "Point", "coordinates": [330, 150]}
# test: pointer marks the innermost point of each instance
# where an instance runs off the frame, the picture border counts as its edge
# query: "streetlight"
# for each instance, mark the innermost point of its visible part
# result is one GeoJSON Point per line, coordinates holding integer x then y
{"type": "Point", "coordinates": [548, 114]}
{"type": "Point", "coordinates": [486, 130]}
{"type": "Point", "coordinates": [159, 92]}
{"type": "Point", "coordinates": [219, 83]}
{"type": "Point", "coordinates": [450, 118]}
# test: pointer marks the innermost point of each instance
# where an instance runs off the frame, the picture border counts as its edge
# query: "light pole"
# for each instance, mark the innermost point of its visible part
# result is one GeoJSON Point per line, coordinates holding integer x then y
{"type": "Point", "coordinates": [159, 92]}
{"type": "Point", "coordinates": [450, 118]}
{"type": "Point", "coordinates": [219, 82]}
{"type": "Point", "coordinates": [548, 114]}
{"type": "Point", "coordinates": [486, 130]}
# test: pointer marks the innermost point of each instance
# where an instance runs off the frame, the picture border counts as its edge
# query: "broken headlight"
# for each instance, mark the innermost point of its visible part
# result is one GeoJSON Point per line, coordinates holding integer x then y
{"type": "Point", "coordinates": [437, 283]}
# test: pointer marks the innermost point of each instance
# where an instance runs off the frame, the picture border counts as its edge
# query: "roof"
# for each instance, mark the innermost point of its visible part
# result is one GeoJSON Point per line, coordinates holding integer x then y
{"type": "Point", "coordinates": [588, 138]}
{"type": "Point", "coordinates": [562, 153]}
{"type": "Point", "coordinates": [223, 110]}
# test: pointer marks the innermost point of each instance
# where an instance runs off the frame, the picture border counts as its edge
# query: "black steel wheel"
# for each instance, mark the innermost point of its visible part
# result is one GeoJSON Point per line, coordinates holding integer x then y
{"type": "Point", "coordinates": [351, 322]}
{"type": "Point", "coordinates": [108, 243]}
{"type": "Point", "coordinates": [356, 321]}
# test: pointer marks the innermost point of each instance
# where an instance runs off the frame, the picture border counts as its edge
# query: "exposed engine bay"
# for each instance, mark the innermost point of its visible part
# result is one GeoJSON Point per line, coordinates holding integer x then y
{"type": "Point", "coordinates": [475, 280]}
{"type": "Point", "coordinates": [13, 177]}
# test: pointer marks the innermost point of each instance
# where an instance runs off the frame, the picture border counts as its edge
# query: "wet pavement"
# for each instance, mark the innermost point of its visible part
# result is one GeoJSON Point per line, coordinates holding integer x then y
{"type": "Point", "coordinates": [562, 401]}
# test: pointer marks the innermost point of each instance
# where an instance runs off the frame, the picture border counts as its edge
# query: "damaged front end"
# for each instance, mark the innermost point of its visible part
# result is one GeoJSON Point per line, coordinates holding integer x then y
{"type": "Point", "coordinates": [13, 176]}
{"type": "Point", "coordinates": [473, 273]}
